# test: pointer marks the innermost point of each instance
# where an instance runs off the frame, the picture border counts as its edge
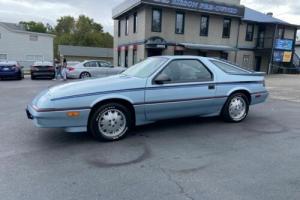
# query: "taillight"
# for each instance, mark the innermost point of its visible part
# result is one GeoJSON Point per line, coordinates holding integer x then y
{"type": "Point", "coordinates": [71, 69]}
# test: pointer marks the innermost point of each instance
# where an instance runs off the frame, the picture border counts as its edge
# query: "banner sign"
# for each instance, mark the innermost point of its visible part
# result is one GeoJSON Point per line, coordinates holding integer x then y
{"type": "Point", "coordinates": [202, 6]}
{"type": "Point", "coordinates": [283, 56]}
{"type": "Point", "coordinates": [284, 44]}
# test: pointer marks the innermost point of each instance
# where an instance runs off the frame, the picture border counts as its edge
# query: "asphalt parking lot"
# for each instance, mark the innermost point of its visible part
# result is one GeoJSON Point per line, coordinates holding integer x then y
{"type": "Point", "coordinates": [181, 159]}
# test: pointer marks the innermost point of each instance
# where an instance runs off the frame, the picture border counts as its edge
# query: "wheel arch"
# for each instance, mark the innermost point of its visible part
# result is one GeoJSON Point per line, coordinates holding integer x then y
{"type": "Point", "coordinates": [123, 101]}
{"type": "Point", "coordinates": [244, 91]}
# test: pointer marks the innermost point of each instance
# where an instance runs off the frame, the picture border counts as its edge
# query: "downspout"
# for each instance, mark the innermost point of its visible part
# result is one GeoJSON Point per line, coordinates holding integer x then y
{"type": "Point", "coordinates": [272, 52]}
{"type": "Point", "coordinates": [237, 42]}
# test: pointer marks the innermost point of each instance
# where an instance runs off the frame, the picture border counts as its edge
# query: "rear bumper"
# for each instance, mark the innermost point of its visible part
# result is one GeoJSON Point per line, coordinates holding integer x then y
{"type": "Point", "coordinates": [10, 74]}
{"type": "Point", "coordinates": [259, 97]}
{"type": "Point", "coordinates": [59, 119]}
{"type": "Point", "coordinates": [43, 74]}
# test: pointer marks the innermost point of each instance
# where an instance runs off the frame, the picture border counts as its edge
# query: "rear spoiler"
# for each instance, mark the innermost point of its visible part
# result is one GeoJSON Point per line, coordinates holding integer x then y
{"type": "Point", "coordinates": [250, 74]}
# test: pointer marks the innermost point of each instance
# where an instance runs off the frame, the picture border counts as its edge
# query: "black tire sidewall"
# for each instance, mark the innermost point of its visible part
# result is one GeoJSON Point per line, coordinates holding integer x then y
{"type": "Point", "coordinates": [80, 76]}
{"type": "Point", "coordinates": [93, 123]}
{"type": "Point", "coordinates": [225, 112]}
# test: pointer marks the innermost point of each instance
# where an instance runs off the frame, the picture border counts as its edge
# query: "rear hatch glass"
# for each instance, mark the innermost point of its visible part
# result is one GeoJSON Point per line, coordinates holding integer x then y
{"type": "Point", "coordinates": [7, 68]}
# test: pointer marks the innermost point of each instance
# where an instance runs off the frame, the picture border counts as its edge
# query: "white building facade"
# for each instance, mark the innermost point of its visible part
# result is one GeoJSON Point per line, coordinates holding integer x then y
{"type": "Point", "coordinates": [16, 44]}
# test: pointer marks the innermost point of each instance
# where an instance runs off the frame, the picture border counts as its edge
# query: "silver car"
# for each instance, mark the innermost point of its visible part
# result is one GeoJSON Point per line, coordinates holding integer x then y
{"type": "Point", "coordinates": [93, 68]}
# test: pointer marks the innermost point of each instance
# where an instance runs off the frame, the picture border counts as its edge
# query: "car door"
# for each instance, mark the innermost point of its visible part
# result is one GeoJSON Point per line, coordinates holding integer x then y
{"type": "Point", "coordinates": [91, 67]}
{"type": "Point", "coordinates": [188, 91]}
{"type": "Point", "coordinates": [106, 67]}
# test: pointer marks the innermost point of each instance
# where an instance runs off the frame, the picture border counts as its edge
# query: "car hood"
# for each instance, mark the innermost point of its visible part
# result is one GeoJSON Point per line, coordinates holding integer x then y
{"type": "Point", "coordinates": [112, 83]}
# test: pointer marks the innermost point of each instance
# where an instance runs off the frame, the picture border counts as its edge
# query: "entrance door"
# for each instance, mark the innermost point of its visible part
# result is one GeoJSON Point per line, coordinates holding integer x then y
{"type": "Point", "coordinates": [257, 63]}
{"type": "Point", "coordinates": [154, 52]}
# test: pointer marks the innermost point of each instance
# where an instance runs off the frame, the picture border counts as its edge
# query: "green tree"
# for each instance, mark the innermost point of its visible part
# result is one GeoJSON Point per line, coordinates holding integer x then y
{"type": "Point", "coordinates": [34, 26]}
{"type": "Point", "coordinates": [65, 24]}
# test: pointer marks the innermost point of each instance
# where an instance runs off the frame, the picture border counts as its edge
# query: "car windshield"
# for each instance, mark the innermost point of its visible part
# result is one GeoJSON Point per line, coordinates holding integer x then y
{"type": "Point", "coordinates": [145, 68]}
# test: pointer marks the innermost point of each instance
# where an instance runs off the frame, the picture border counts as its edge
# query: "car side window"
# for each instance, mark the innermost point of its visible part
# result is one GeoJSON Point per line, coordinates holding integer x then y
{"type": "Point", "coordinates": [181, 71]}
{"type": "Point", "coordinates": [104, 64]}
{"type": "Point", "coordinates": [91, 64]}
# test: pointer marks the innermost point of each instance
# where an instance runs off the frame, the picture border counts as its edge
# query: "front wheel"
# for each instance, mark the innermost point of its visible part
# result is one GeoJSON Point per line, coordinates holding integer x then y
{"type": "Point", "coordinates": [236, 108]}
{"type": "Point", "coordinates": [110, 122]}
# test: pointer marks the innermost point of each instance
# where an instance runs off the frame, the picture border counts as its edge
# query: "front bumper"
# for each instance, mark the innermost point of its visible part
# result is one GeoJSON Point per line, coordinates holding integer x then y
{"type": "Point", "coordinates": [9, 75]}
{"type": "Point", "coordinates": [59, 118]}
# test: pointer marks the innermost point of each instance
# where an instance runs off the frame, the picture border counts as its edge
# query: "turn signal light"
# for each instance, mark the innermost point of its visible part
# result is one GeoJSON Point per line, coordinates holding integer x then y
{"type": "Point", "coordinates": [73, 114]}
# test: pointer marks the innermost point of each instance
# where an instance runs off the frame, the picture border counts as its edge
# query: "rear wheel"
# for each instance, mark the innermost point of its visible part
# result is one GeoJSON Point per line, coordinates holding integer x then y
{"type": "Point", "coordinates": [236, 108]}
{"type": "Point", "coordinates": [110, 122]}
{"type": "Point", "coordinates": [84, 75]}
{"type": "Point", "coordinates": [32, 77]}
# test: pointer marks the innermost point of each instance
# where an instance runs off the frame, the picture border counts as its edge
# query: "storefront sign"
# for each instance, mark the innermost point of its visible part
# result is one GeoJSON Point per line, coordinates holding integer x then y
{"type": "Point", "coordinates": [287, 57]}
{"type": "Point", "coordinates": [202, 6]}
{"type": "Point", "coordinates": [284, 44]}
{"type": "Point", "coordinates": [283, 56]}
{"type": "Point", "coordinates": [156, 43]}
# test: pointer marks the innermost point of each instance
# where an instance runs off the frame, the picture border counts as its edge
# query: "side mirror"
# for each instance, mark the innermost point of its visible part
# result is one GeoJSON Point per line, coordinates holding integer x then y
{"type": "Point", "coordinates": [162, 78]}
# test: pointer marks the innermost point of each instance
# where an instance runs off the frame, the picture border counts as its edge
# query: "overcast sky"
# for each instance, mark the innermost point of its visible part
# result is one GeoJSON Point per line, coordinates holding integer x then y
{"type": "Point", "coordinates": [48, 11]}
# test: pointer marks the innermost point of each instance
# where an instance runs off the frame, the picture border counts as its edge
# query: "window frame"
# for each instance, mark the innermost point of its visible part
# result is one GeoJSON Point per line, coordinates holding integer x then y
{"type": "Point", "coordinates": [252, 33]}
{"type": "Point", "coordinates": [183, 82]}
{"type": "Point", "coordinates": [207, 28]}
{"type": "Point", "coordinates": [183, 22]}
{"type": "Point", "coordinates": [160, 19]}
{"type": "Point", "coordinates": [229, 29]}
{"type": "Point", "coordinates": [126, 26]}
{"type": "Point", "coordinates": [119, 28]}
{"type": "Point", "coordinates": [134, 56]}
{"type": "Point", "coordinates": [135, 19]}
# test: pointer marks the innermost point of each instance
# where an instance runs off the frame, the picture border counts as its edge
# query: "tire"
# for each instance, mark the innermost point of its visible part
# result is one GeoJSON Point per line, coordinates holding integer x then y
{"type": "Point", "coordinates": [110, 122]}
{"type": "Point", "coordinates": [84, 75]}
{"type": "Point", "coordinates": [32, 78]}
{"type": "Point", "coordinates": [236, 108]}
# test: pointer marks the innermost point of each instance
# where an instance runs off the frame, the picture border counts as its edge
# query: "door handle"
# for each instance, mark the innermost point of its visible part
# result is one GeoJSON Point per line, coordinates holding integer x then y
{"type": "Point", "coordinates": [211, 86]}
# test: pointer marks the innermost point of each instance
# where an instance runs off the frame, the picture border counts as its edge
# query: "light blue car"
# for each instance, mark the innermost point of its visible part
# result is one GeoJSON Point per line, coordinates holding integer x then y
{"type": "Point", "coordinates": [156, 89]}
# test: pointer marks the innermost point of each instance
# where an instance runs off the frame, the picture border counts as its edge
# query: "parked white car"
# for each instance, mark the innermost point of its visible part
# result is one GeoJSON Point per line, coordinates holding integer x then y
{"type": "Point", "coordinates": [93, 68]}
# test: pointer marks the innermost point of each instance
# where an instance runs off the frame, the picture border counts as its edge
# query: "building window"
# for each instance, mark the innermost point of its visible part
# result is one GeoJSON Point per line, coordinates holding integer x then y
{"type": "Point", "coordinates": [119, 28]}
{"type": "Point", "coordinates": [179, 26]}
{"type": "Point", "coordinates": [3, 57]}
{"type": "Point", "coordinates": [33, 38]}
{"type": "Point", "coordinates": [135, 22]}
{"type": "Point", "coordinates": [246, 61]}
{"type": "Point", "coordinates": [126, 26]}
{"type": "Point", "coordinates": [226, 28]}
{"type": "Point", "coordinates": [134, 56]}
{"type": "Point", "coordinates": [249, 32]}
{"type": "Point", "coordinates": [280, 33]}
{"type": "Point", "coordinates": [156, 20]}
{"type": "Point", "coordinates": [204, 26]}
{"type": "Point", "coordinates": [126, 58]}
{"type": "Point", "coordinates": [34, 58]}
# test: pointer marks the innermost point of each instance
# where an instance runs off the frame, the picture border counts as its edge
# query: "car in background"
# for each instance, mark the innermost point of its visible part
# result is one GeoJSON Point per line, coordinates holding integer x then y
{"type": "Point", "coordinates": [42, 70]}
{"type": "Point", "coordinates": [93, 68]}
{"type": "Point", "coordinates": [11, 70]}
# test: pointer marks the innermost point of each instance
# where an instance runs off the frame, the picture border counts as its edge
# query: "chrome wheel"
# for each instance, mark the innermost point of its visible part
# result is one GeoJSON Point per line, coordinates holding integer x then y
{"type": "Point", "coordinates": [238, 108]}
{"type": "Point", "coordinates": [112, 123]}
{"type": "Point", "coordinates": [85, 75]}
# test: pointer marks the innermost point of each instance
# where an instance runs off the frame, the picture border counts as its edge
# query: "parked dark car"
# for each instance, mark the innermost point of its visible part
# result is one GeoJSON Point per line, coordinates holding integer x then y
{"type": "Point", "coordinates": [11, 70]}
{"type": "Point", "coordinates": [42, 70]}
